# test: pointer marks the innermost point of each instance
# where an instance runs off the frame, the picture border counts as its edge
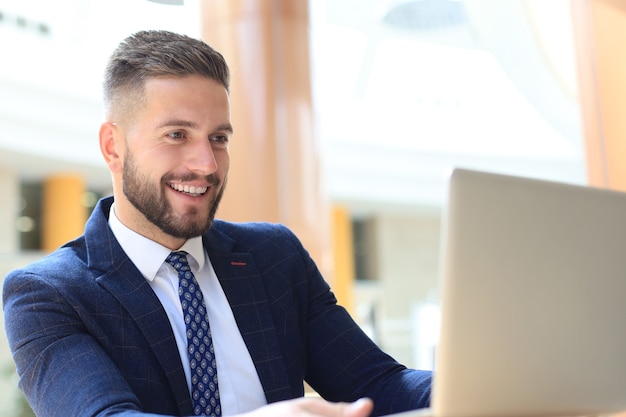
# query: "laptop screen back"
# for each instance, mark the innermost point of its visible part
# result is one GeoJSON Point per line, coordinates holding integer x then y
{"type": "Point", "coordinates": [533, 299]}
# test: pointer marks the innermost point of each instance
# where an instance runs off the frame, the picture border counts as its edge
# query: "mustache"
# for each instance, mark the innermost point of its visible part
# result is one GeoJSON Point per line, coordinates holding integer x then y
{"type": "Point", "coordinates": [212, 179]}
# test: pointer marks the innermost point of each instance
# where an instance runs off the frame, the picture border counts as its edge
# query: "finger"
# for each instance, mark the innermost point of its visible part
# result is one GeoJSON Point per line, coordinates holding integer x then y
{"type": "Point", "coordinates": [360, 408]}
{"type": "Point", "coordinates": [318, 407]}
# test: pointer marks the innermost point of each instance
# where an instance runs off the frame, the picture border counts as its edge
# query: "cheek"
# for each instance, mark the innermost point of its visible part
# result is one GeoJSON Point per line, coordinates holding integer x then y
{"type": "Point", "coordinates": [223, 162]}
{"type": "Point", "coordinates": [158, 161]}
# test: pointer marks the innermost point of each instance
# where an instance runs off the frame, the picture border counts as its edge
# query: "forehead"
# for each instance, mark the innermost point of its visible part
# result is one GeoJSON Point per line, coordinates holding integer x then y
{"type": "Point", "coordinates": [190, 95]}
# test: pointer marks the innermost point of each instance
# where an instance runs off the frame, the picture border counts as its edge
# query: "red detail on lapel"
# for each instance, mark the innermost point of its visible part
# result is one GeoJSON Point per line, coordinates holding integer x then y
{"type": "Point", "coordinates": [235, 263]}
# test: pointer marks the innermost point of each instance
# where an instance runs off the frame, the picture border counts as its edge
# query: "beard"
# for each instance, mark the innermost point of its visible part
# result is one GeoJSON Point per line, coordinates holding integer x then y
{"type": "Point", "coordinates": [150, 200]}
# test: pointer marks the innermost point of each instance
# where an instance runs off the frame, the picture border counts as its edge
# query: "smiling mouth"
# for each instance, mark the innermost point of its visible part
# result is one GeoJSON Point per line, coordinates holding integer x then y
{"type": "Point", "coordinates": [191, 190]}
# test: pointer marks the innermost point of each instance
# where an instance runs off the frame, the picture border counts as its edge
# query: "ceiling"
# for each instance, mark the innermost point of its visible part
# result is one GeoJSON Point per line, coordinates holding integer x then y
{"type": "Point", "coordinates": [404, 90]}
{"type": "Point", "coordinates": [409, 89]}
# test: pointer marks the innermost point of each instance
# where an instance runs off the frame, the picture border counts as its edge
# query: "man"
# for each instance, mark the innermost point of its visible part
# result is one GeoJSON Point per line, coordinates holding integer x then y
{"type": "Point", "coordinates": [113, 324]}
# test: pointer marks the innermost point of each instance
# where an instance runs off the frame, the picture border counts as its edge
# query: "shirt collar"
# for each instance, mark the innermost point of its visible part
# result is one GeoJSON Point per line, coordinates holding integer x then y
{"type": "Point", "coordinates": [148, 255]}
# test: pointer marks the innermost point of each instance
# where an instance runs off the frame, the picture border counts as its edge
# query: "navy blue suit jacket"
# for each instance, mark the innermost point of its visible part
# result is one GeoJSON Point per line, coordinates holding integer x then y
{"type": "Point", "coordinates": [90, 337]}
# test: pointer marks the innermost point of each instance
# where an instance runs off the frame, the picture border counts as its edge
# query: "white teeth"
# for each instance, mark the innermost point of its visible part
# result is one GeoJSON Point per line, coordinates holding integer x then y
{"type": "Point", "coordinates": [189, 189]}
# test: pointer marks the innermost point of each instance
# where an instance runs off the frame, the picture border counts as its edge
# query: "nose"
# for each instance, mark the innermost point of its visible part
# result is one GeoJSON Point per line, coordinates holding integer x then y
{"type": "Point", "coordinates": [201, 158]}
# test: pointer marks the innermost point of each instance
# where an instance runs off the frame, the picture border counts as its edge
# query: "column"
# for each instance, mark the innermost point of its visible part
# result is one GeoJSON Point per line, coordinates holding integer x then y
{"type": "Point", "coordinates": [343, 255]}
{"type": "Point", "coordinates": [600, 36]}
{"type": "Point", "coordinates": [274, 172]}
{"type": "Point", "coordinates": [63, 215]}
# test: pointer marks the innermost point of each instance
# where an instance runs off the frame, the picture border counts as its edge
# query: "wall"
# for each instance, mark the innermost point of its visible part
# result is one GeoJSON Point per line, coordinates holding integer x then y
{"type": "Point", "coordinates": [404, 256]}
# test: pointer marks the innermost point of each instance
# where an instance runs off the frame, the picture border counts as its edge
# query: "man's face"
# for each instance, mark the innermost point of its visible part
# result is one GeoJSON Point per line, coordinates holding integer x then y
{"type": "Point", "coordinates": [175, 159]}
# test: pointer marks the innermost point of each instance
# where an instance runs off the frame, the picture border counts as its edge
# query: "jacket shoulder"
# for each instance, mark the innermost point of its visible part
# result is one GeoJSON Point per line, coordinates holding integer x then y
{"type": "Point", "coordinates": [251, 234]}
{"type": "Point", "coordinates": [60, 261]}
{"type": "Point", "coordinates": [268, 243]}
{"type": "Point", "coordinates": [256, 228]}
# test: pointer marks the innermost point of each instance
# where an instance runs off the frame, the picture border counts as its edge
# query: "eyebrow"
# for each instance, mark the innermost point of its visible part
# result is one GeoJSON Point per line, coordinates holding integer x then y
{"type": "Point", "coordinates": [227, 127]}
{"type": "Point", "coordinates": [191, 125]}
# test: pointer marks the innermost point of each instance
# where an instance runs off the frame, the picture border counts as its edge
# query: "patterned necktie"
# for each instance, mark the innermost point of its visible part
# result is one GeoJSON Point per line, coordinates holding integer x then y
{"type": "Point", "coordinates": [204, 392]}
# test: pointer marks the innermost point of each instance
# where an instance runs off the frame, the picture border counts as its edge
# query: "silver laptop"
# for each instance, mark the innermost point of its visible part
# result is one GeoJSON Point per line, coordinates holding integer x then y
{"type": "Point", "coordinates": [533, 299]}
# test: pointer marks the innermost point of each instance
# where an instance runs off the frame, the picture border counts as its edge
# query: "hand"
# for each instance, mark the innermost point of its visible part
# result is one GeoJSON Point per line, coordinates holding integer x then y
{"type": "Point", "coordinates": [314, 407]}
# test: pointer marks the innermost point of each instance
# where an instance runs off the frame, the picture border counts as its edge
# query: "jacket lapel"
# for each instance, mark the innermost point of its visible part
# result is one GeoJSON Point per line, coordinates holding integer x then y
{"type": "Point", "coordinates": [136, 296]}
{"type": "Point", "coordinates": [122, 280]}
{"type": "Point", "coordinates": [243, 286]}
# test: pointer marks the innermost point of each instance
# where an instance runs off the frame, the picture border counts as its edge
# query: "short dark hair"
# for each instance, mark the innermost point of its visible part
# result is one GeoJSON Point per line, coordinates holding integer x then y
{"type": "Point", "coordinates": [156, 53]}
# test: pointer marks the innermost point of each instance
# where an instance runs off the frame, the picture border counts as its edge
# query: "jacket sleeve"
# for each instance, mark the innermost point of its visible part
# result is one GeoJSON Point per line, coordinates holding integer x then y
{"type": "Point", "coordinates": [63, 369]}
{"type": "Point", "coordinates": [344, 364]}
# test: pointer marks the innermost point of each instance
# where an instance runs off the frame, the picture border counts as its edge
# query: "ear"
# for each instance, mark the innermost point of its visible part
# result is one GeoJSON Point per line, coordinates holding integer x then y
{"type": "Point", "coordinates": [109, 146]}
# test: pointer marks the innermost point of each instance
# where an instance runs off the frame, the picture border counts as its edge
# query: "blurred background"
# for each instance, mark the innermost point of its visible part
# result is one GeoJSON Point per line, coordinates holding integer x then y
{"type": "Point", "coordinates": [390, 96]}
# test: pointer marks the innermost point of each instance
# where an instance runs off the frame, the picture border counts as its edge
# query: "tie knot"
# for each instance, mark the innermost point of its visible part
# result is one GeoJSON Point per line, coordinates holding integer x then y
{"type": "Point", "coordinates": [178, 260]}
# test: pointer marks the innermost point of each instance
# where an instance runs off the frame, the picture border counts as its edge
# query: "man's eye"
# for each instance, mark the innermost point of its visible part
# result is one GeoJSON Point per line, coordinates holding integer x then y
{"type": "Point", "coordinates": [219, 138]}
{"type": "Point", "coordinates": [176, 135]}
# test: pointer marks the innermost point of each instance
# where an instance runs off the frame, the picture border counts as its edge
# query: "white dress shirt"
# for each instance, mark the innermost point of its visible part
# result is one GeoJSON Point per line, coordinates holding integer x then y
{"type": "Point", "coordinates": [239, 385]}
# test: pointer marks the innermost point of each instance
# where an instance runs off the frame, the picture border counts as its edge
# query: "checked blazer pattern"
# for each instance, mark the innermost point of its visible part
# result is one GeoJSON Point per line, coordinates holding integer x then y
{"type": "Point", "coordinates": [90, 337]}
